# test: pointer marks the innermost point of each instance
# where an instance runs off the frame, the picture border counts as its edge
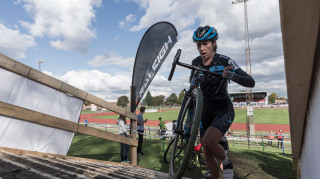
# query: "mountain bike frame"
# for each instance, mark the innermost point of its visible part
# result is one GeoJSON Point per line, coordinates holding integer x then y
{"type": "Point", "coordinates": [196, 84]}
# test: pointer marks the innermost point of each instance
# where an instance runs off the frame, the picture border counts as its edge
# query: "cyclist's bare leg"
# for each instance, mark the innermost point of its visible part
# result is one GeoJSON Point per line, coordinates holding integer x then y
{"type": "Point", "coordinates": [212, 150]}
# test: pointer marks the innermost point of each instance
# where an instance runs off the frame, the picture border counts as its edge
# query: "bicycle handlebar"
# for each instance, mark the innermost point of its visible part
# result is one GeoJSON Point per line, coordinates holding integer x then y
{"type": "Point", "coordinates": [196, 68]}
{"type": "Point", "coordinates": [174, 64]}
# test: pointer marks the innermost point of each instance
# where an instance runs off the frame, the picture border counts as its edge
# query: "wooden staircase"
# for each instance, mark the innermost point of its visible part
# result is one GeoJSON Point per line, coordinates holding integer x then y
{"type": "Point", "coordinates": [25, 164]}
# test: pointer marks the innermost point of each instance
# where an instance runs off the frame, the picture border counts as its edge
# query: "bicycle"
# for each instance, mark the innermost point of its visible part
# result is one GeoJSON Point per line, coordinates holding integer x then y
{"type": "Point", "coordinates": [160, 133]}
{"type": "Point", "coordinates": [188, 120]}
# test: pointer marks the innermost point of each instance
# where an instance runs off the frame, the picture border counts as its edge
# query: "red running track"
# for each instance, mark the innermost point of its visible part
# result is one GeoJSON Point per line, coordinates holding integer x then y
{"type": "Point", "coordinates": [234, 126]}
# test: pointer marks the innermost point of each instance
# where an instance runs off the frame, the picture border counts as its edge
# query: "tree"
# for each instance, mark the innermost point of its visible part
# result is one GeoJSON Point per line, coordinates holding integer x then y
{"type": "Point", "coordinates": [172, 99]}
{"type": "Point", "coordinates": [86, 103]}
{"type": "Point", "coordinates": [148, 99]}
{"type": "Point", "coordinates": [123, 101]}
{"type": "Point", "coordinates": [272, 97]}
{"type": "Point", "coordinates": [158, 100]}
{"type": "Point", "coordinates": [181, 96]}
{"type": "Point", "coordinates": [283, 98]}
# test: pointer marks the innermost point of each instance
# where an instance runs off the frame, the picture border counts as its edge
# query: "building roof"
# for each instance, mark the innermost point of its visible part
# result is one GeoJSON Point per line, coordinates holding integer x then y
{"type": "Point", "coordinates": [258, 95]}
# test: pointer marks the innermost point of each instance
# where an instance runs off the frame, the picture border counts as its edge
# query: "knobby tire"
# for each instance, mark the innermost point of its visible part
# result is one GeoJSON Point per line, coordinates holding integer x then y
{"type": "Point", "coordinates": [176, 170]}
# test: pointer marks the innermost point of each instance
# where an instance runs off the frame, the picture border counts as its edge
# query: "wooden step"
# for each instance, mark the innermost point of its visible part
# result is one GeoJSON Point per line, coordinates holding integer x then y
{"type": "Point", "coordinates": [23, 164]}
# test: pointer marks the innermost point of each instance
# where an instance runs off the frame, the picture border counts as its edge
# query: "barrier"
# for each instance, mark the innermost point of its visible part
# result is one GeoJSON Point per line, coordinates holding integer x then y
{"type": "Point", "coordinates": [259, 140]}
{"type": "Point", "coordinates": [27, 115]}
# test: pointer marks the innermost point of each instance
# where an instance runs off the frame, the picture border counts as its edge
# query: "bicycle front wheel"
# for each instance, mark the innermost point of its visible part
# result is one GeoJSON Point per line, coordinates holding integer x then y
{"type": "Point", "coordinates": [187, 129]}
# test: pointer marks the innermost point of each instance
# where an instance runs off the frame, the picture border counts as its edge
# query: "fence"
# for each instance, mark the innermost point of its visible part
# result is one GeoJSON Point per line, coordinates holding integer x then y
{"type": "Point", "coordinates": [24, 114]}
{"type": "Point", "coordinates": [261, 141]}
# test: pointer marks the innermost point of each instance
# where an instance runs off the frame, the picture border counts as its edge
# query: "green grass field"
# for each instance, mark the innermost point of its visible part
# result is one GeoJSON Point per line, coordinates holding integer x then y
{"type": "Point", "coordinates": [261, 116]}
{"type": "Point", "coordinates": [253, 163]}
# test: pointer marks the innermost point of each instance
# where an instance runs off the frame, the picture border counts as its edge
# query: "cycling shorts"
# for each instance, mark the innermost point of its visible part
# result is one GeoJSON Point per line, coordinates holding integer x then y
{"type": "Point", "coordinates": [216, 114]}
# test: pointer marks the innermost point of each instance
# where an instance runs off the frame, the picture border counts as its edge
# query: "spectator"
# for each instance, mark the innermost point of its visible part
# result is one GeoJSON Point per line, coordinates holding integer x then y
{"type": "Point", "coordinates": [162, 127]}
{"type": "Point", "coordinates": [140, 129]}
{"type": "Point", "coordinates": [280, 136]}
{"type": "Point", "coordinates": [85, 121]}
{"type": "Point", "coordinates": [270, 137]}
{"type": "Point", "coordinates": [174, 125]}
{"type": "Point", "coordinates": [123, 132]}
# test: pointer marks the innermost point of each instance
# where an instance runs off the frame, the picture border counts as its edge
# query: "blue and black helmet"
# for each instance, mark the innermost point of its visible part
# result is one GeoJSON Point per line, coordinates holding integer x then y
{"type": "Point", "coordinates": [205, 33]}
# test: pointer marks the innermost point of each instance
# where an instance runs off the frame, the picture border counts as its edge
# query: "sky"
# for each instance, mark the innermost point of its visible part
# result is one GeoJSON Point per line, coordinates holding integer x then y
{"type": "Point", "coordinates": [92, 44]}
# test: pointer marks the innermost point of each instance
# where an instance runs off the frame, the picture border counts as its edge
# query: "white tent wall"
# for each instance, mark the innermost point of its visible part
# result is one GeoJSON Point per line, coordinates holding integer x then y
{"type": "Point", "coordinates": [14, 133]}
{"type": "Point", "coordinates": [310, 158]}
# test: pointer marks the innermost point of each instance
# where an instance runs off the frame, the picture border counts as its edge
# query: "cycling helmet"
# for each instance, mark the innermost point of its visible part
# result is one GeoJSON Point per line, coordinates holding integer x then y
{"type": "Point", "coordinates": [205, 33]}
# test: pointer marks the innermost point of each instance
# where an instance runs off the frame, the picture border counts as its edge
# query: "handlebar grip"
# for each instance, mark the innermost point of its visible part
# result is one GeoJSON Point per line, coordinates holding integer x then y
{"type": "Point", "coordinates": [174, 64]}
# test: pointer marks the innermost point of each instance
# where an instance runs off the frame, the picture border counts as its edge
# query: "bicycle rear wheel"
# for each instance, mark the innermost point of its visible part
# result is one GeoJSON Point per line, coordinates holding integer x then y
{"type": "Point", "coordinates": [193, 108]}
{"type": "Point", "coordinates": [167, 153]}
{"type": "Point", "coordinates": [157, 135]}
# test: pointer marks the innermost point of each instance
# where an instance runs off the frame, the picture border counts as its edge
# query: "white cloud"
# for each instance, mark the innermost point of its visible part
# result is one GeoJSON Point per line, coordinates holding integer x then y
{"type": "Point", "coordinates": [66, 23]}
{"type": "Point", "coordinates": [111, 59]}
{"type": "Point", "coordinates": [127, 21]}
{"type": "Point", "coordinates": [181, 13]}
{"type": "Point", "coordinates": [13, 43]}
{"type": "Point", "coordinates": [104, 85]}
{"type": "Point", "coordinates": [267, 61]}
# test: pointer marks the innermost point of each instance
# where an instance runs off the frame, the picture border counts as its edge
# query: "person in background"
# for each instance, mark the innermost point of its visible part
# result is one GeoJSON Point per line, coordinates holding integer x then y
{"type": "Point", "coordinates": [162, 127]}
{"type": "Point", "coordinates": [280, 136]}
{"type": "Point", "coordinates": [85, 121]}
{"type": "Point", "coordinates": [140, 129]}
{"type": "Point", "coordinates": [123, 132]}
{"type": "Point", "coordinates": [270, 137]}
{"type": "Point", "coordinates": [174, 125]}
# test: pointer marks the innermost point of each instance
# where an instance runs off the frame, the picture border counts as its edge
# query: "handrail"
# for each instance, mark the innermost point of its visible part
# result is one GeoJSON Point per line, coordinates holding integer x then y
{"type": "Point", "coordinates": [33, 74]}
{"type": "Point", "coordinates": [51, 121]}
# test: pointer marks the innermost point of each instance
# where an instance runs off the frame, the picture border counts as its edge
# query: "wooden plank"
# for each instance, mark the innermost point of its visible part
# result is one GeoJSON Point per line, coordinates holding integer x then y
{"type": "Point", "coordinates": [106, 135]}
{"type": "Point", "coordinates": [76, 92]}
{"type": "Point", "coordinates": [14, 66]}
{"type": "Point", "coordinates": [133, 127]}
{"type": "Point", "coordinates": [35, 160]}
{"type": "Point", "coordinates": [102, 103]}
{"type": "Point", "coordinates": [25, 167]}
{"type": "Point", "coordinates": [298, 84]}
{"type": "Point", "coordinates": [47, 80]}
{"type": "Point", "coordinates": [41, 154]}
{"type": "Point", "coordinates": [17, 112]}
{"type": "Point", "coordinates": [133, 149]}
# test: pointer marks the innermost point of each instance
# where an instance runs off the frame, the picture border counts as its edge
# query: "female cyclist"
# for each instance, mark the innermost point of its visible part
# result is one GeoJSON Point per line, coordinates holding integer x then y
{"type": "Point", "coordinates": [218, 112]}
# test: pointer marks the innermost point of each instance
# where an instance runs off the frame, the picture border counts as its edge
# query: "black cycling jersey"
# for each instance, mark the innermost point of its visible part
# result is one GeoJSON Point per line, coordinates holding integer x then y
{"type": "Point", "coordinates": [209, 83]}
{"type": "Point", "coordinates": [218, 109]}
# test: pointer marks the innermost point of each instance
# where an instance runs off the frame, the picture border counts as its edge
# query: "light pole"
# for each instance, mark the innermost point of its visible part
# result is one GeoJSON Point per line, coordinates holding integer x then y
{"type": "Point", "coordinates": [40, 64]}
{"type": "Point", "coordinates": [249, 94]}
{"type": "Point", "coordinates": [267, 100]}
